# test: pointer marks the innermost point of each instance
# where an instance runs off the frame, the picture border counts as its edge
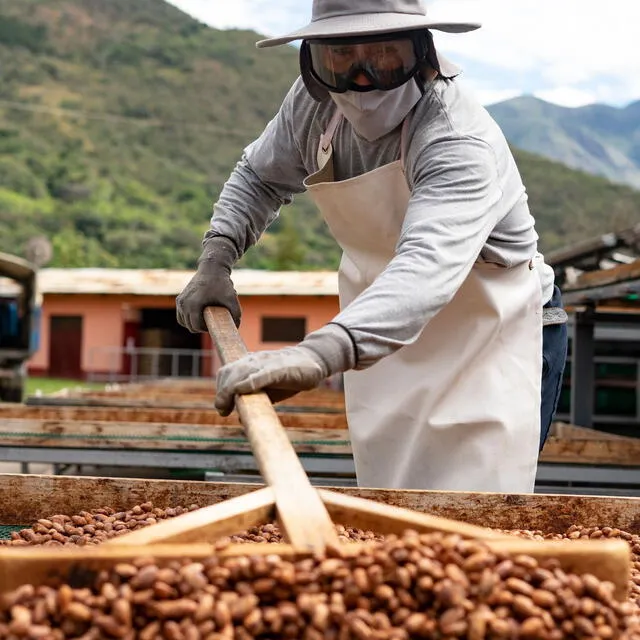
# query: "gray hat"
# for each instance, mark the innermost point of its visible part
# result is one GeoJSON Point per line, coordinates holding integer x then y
{"type": "Point", "coordinates": [338, 18]}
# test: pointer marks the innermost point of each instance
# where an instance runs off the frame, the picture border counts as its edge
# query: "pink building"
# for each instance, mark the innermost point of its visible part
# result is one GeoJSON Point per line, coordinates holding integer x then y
{"type": "Point", "coordinates": [110, 322]}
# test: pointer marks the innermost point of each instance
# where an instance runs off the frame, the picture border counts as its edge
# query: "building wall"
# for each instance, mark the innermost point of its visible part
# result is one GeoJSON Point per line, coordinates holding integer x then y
{"type": "Point", "coordinates": [317, 311]}
{"type": "Point", "coordinates": [101, 326]}
{"type": "Point", "coordinates": [104, 317]}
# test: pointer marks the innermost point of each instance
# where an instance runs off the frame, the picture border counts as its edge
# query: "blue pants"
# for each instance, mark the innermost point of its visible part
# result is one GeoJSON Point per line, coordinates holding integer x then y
{"type": "Point", "coordinates": [554, 356]}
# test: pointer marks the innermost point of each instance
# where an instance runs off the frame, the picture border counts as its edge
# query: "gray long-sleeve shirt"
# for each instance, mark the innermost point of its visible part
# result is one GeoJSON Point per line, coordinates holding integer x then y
{"type": "Point", "coordinates": [467, 202]}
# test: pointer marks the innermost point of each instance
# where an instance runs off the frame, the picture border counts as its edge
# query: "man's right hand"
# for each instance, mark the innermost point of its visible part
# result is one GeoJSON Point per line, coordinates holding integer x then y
{"type": "Point", "coordinates": [210, 286]}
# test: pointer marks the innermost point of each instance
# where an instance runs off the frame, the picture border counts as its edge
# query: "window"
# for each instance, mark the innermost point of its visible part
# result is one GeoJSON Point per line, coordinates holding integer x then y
{"type": "Point", "coordinates": [283, 329]}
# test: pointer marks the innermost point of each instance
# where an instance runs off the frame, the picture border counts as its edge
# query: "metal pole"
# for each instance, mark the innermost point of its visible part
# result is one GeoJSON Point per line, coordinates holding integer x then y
{"type": "Point", "coordinates": [155, 369]}
{"type": "Point", "coordinates": [637, 390]}
{"type": "Point", "coordinates": [195, 362]}
{"type": "Point", "coordinates": [174, 363]}
{"type": "Point", "coordinates": [582, 369]}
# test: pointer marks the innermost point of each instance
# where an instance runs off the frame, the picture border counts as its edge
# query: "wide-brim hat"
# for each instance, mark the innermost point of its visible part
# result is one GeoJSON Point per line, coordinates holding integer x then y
{"type": "Point", "coordinates": [344, 18]}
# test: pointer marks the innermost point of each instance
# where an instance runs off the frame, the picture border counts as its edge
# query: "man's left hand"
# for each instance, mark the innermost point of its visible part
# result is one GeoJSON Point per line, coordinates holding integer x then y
{"type": "Point", "coordinates": [284, 372]}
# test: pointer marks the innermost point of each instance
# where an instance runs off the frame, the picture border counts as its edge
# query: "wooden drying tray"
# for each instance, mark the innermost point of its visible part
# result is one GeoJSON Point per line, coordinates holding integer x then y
{"type": "Point", "coordinates": [186, 537]}
{"type": "Point", "coordinates": [308, 401]}
{"type": "Point", "coordinates": [187, 387]}
{"type": "Point", "coordinates": [65, 417]}
{"type": "Point", "coordinates": [573, 447]}
{"type": "Point", "coordinates": [310, 434]}
{"type": "Point", "coordinates": [149, 436]}
{"type": "Point", "coordinates": [580, 446]}
{"type": "Point", "coordinates": [163, 402]}
{"type": "Point", "coordinates": [25, 498]}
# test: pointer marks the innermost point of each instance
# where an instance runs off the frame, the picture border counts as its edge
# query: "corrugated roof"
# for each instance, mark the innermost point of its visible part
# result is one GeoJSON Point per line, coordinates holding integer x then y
{"type": "Point", "coordinates": [166, 282]}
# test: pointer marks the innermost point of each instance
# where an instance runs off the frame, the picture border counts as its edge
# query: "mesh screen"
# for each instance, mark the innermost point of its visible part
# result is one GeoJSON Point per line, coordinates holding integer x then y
{"type": "Point", "coordinates": [5, 530]}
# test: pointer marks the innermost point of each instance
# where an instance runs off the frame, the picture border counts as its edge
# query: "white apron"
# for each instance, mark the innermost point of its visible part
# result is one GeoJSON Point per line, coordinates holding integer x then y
{"type": "Point", "coordinates": [459, 409]}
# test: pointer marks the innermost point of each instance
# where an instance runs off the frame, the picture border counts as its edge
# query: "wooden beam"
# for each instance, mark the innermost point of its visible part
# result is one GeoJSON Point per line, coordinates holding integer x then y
{"type": "Point", "coordinates": [387, 519]}
{"type": "Point", "coordinates": [166, 402]}
{"type": "Point", "coordinates": [603, 277]}
{"type": "Point", "coordinates": [207, 524]}
{"type": "Point", "coordinates": [26, 498]}
{"type": "Point", "coordinates": [592, 447]}
{"type": "Point", "coordinates": [605, 559]}
{"type": "Point", "coordinates": [158, 437]}
{"type": "Point", "coordinates": [186, 415]}
{"type": "Point", "coordinates": [318, 400]}
{"type": "Point", "coordinates": [79, 567]}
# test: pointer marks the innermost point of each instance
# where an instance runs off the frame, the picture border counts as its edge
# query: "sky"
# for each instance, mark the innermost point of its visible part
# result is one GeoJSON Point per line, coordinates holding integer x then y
{"type": "Point", "coordinates": [569, 52]}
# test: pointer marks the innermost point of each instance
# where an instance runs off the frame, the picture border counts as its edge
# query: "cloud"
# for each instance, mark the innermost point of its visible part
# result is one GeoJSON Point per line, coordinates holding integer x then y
{"type": "Point", "coordinates": [571, 51]}
{"type": "Point", "coordinates": [264, 16]}
{"type": "Point", "coordinates": [575, 47]}
{"type": "Point", "coordinates": [567, 96]}
{"type": "Point", "coordinates": [490, 96]}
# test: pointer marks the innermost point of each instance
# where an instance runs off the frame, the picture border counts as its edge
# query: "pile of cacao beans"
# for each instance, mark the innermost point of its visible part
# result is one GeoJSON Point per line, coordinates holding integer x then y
{"type": "Point", "coordinates": [395, 587]}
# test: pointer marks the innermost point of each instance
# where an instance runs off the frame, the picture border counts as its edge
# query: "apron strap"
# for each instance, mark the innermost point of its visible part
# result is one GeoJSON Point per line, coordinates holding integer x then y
{"type": "Point", "coordinates": [327, 136]}
{"type": "Point", "coordinates": [403, 140]}
{"type": "Point", "coordinates": [324, 148]}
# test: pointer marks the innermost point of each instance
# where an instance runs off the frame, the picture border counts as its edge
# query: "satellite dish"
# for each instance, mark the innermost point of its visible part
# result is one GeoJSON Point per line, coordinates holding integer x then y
{"type": "Point", "coordinates": [38, 250]}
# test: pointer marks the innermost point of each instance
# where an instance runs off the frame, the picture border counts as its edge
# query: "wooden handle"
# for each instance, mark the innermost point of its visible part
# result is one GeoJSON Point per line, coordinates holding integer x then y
{"type": "Point", "coordinates": [387, 519]}
{"type": "Point", "coordinates": [303, 517]}
{"type": "Point", "coordinates": [206, 524]}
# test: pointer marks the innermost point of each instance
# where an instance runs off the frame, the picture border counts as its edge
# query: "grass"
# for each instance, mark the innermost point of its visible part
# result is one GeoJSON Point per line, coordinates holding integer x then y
{"type": "Point", "coordinates": [51, 385]}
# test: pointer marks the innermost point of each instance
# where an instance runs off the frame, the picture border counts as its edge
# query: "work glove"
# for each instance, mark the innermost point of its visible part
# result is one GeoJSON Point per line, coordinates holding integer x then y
{"type": "Point", "coordinates": [284, 372]}
{"type": "Point", "coordinates": [210, 286]}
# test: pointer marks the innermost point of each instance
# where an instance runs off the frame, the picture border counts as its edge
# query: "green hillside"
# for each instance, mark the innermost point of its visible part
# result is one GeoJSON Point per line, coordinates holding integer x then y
{"type": "Point", "coordinates": [121, 119]}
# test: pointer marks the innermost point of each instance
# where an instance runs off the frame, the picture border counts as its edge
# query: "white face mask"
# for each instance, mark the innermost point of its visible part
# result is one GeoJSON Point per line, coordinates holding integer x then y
{"type": "Point", "coordinates": [373, 114]}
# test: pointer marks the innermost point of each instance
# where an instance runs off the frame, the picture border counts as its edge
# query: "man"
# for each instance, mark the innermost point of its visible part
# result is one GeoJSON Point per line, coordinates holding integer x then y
{"type": "Point", "coordinates": [441, 286]}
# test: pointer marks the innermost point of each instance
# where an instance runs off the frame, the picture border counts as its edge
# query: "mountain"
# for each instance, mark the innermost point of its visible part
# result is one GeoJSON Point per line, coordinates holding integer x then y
{"type": "Point", "coordinates": [597, 138]}
{"type": "Point", "coordinates": [121, 119]}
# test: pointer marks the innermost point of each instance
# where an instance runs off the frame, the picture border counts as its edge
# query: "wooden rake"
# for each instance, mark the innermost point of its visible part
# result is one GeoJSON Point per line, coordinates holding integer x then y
{"type": "Point", "coordinates": [305, 515]}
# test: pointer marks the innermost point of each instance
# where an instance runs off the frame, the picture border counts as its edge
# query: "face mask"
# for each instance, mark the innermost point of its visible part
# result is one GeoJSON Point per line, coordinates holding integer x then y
{"type": "Point", "coordinates": [373, 114]}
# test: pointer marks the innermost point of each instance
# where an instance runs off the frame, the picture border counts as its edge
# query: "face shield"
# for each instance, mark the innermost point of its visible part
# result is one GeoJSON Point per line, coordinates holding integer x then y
{"type": "Point", "coordinates": [381, 62]}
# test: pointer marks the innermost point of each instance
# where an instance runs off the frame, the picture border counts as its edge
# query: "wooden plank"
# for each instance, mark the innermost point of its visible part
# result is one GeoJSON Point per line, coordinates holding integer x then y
{"type": "Point", "coordinates": [302, 515]}
{"type": "Point", "coordinates": [607, 562]}
{"type": "Point", "coordinates": [386, 519]}
{"type": "Point", "coordinates": [158, 437]}
{"type": "Point", "coordinates": [586, 452]}
{"type": "Point", "coordinates": [164, 402]}
{"type": "Point", "coordinates": [175, 385]}
{"type": "Point", "coordinates": [167, 393]}
{"type": "Point", "coordinates": [79, 567]}
{"type": "Point", "coordinates": [563, 431]}
{"type": "Point", "coordinates": [568, 445]}
{"type": "Point", "coordinates": [606, 559]}
{"type": "Point", "coordinates": [162, 415]}
{"type": "Point", "coordinates": [26, 498]}
{"type": "Point", "coordinates": [306, 398]}
{"type": "Point", "coordinates": [591, 279]}
{"type": "Point", "coordinates": [208, 523]}
{"type": "Point", "coordinates": [99, 401]}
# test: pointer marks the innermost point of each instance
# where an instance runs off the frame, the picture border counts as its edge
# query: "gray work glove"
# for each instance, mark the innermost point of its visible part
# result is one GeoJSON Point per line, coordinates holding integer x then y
{"type": "Point", "coordinates": [210, 286]}
{"type": "Point", "coordinates": [284, 372]}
